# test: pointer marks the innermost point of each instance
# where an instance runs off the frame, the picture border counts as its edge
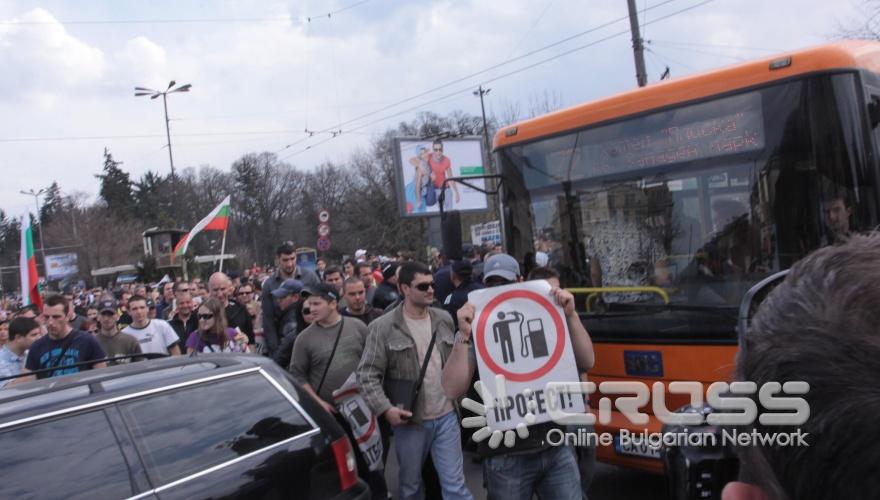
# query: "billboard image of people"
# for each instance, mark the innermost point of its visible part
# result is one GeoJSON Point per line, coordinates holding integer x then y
{"type": "Point", "coordinates": [424, 164]}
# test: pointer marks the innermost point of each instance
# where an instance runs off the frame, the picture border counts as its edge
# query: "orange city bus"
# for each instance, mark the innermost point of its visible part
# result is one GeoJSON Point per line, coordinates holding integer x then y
{"type": "Point", "coordinates": [661, 206]}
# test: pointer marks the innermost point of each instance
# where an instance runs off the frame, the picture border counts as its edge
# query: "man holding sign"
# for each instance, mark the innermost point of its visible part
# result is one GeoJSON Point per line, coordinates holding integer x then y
{"type": "Point", "coordinates": [531, 335]}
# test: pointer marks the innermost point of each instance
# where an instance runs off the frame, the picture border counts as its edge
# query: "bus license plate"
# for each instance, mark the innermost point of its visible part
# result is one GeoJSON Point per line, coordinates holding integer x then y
{"type": "Point", "coordinates": [636, 449]}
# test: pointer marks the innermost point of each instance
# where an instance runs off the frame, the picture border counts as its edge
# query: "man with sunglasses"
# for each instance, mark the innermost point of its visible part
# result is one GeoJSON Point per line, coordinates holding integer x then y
{"type": "Point", "coordinates": [423, 418]}
{"type": "Point", "coordinates": [113, 341]}
{"type": "Point", "coordinates": [532, 466]}
{"type": "Point", "coordinates": [441, 168]}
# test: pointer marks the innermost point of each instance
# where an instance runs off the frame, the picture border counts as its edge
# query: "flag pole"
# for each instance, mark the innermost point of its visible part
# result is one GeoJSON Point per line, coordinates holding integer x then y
{"type": "Point", "coordinates": [223, 249]}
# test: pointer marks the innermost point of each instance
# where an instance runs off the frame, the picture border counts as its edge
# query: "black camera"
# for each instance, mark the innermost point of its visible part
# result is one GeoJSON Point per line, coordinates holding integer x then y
{"type": "Point", "coordinates": [697, 461]}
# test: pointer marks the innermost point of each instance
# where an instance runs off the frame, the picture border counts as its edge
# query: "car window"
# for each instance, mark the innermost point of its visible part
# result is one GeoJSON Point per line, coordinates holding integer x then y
{"type": "Point", "coordinates": [188, 430]}
{"type": "Point", "coordinates": [70, 457]}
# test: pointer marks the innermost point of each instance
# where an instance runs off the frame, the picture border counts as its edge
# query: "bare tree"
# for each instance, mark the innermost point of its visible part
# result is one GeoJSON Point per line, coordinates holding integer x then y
{"type": "Point", "coordinates": [865, 26]}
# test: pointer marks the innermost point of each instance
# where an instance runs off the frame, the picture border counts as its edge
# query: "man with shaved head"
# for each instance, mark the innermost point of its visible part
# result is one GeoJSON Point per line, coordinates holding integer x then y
{"type": "Point", "coordinates": [219, 286]}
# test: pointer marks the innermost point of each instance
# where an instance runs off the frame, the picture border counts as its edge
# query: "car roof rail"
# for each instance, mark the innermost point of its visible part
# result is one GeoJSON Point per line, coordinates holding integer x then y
{"type": "Point", "coordinates": [148, 355]}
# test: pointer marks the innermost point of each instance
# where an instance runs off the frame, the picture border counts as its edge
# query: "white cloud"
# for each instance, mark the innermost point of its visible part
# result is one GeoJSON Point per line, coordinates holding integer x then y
{"type": "Point", "coordinates": [42, 59]}
{"type": "Point", "coordinates": [77, 80]}
{"type": "Point", "coordinates": [143, 61]}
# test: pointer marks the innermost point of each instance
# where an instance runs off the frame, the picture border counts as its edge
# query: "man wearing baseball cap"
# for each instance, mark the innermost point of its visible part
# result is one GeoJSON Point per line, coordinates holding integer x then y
{"type": "Point", "coordinates": [386, 293]}
{"type": "Point", "coordinates": [287, 298]}
{"type": "Point", "coordinates": [324, 356]}
{"type": "Point", "coordinates": [532, 466]}
{"type": "Point", "coordinates": [114, 342]}
{"type": "Point", "coordinates": [287, 269]}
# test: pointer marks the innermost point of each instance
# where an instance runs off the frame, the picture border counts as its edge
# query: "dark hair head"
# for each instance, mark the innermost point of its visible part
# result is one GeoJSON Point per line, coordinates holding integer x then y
{"type": "Point", "coordinates": [348, 261]}
{"type": "Point", "coordinates": [21, 327]}
{"type": "Point", "coordinates": [332, 270]}
{"type": "Point", "coordinates": [57, 300]}
{"type": "Point", "coordinates": [820, 326]}
{"type": "Point", "coordinates": [137, 298]}
{"type": "Point", "coordinates": [360, 265]}
{"type": "Point", "coordinates": [285, 248]}
{"type": "Point", "coordinates": [542, 273]}
{"type": "Point", "coordinates": [409, 270]}
{"type": "Point", "coordinates": [30, 307]}
{"type": "Point", "coordinates": [354, 280]}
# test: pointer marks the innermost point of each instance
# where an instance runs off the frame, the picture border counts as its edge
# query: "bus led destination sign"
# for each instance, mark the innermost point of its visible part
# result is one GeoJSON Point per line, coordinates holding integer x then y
{"type": "Point", "coordinates": [680, 135]}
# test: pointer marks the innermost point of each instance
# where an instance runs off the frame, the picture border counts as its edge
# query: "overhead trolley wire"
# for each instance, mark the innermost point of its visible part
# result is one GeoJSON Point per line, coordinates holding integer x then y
{"type": "Point", "coordinates": [187, 21]}
{"type": "Point", "coordinates": [471, 75]}
{"type": "Point", "coordinates": [485, 82]}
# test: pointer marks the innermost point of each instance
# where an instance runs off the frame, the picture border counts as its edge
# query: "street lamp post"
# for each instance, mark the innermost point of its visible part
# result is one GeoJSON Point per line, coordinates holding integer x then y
{"type": "Point", "coordinates": [36, 195]}
{"type": "Point", "coordinates": [141, 91]}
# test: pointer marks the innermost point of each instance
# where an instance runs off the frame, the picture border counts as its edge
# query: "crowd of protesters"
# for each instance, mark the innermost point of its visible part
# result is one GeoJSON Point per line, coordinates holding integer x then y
{"type": "Point", "coordinates": [386, 322]}
{"type": "Point", "coordinates": [365, 319]}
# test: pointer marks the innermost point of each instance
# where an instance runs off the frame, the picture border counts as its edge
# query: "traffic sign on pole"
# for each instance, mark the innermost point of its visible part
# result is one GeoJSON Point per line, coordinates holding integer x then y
{"type": "Point", "coordinates": [323, 216]}
{"type": "Point", "coordinates": [323, 229]}
{"type": "Point", "coordinates": [323, 243]}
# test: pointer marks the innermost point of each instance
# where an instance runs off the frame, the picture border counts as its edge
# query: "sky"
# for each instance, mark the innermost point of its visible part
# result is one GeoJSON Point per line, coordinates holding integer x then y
{"type": "Point", "coordinates": [264, 71]}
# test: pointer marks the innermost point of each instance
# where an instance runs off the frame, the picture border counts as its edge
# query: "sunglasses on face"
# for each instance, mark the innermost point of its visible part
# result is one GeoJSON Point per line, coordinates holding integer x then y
{"type": "Point", "coordinates": [437, 150]}
{"type": "Point", "coordinates": [423, 287]}
{"type": "Point", "coordinates": [245, 293]}
{"type": "Point", "coordinates": [206, 316]}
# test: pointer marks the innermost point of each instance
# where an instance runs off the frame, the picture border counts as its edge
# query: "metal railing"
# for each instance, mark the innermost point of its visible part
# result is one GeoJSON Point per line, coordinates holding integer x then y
{"type": "Point", "coordinates": [594, 293]}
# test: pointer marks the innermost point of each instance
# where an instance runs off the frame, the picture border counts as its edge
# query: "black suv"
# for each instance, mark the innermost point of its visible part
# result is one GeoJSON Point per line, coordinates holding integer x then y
{"type": "Point", "coordinates": [212, 426]}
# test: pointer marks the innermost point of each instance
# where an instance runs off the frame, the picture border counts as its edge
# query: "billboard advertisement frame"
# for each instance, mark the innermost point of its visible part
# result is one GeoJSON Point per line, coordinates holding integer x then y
{"type": "Point", "coordinates": [402, 185]}
{"type": "Point", "coordinates": [68, 262]}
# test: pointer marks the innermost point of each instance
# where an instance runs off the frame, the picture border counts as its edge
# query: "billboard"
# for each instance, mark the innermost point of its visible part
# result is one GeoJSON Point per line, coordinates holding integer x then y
{"type": "Point", "coordinates": [423, 164]}
{"type": "Point", "coordinates": [60, 266]}
{"type": "Point", "coordinates": [490, 232]}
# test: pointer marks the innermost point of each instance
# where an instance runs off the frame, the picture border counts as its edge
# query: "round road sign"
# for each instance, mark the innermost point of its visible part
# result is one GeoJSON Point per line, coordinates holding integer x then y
{"type": "Point", "coordinates": [482, 327]}
{"type": "Point", "coordinates": [323, 229]}
{"type": "Point", "coordinates": [323, 216]}
{"type": "Point", "coordinates": [323, 243]}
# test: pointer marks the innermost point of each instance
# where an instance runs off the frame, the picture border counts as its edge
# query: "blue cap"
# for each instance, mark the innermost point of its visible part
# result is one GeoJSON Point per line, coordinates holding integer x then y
{"type": "Point", "coordinates": [289, 287]}
{"type": "Point", "coordinates": [501, 265]}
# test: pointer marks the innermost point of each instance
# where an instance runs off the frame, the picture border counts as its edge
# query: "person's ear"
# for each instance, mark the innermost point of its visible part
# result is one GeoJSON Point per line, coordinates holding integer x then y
{"type": "Point", "coordinates": [737, 490]}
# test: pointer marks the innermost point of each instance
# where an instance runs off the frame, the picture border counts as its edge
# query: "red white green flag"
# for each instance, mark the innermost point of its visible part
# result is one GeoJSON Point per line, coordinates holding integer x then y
{"type": "Point", "coordinates": [217, 220]}
{"type": "Point", "coordinates": [30, 293]}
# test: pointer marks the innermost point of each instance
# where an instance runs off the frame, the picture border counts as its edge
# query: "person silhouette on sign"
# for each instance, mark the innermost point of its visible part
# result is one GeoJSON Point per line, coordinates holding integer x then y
{"type": "Point", "coordinates": [501, 333]}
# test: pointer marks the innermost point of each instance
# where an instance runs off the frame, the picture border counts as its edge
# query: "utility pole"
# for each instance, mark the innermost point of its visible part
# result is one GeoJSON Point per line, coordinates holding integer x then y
{"type": "Point", "coordinates": [481, 92]}
{"type": "Point", "coordinates": [638, 44]}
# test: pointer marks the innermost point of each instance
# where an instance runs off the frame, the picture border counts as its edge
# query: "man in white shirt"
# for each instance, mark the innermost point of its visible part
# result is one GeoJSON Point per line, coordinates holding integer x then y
{"type": "Point", "coordinates": [153, 335]}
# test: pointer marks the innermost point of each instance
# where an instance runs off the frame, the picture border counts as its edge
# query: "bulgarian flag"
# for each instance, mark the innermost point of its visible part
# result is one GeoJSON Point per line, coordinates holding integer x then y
{"type": "Point", "coordinates": [30, 293]}
{"type": "Point", "coordinates": [217, 220]}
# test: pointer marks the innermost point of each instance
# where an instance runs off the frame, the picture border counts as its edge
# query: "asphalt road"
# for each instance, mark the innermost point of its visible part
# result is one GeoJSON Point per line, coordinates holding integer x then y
{"type": "Point", "coordinates": [609, 482]}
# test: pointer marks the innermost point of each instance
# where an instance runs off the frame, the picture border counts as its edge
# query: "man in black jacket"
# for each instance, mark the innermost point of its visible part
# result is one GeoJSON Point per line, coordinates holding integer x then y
{"type": "Point", "coordinates": [287, 269]}
{"type": "Point", "coordinates": [184, 319]}
{"type": "Point", "coordinates": [237, 315]}
{"type": "Point", "coordinates": [386, 293]}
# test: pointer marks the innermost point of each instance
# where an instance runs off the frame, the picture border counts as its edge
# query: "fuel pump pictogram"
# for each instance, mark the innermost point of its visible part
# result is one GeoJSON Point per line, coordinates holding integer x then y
{"type": "Point", "coordinates": [532, 337]}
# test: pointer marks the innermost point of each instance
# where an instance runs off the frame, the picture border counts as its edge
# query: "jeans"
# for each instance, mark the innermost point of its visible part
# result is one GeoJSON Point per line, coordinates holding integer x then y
{"type": "Point", "coordinates": [552, 474]}
{"type": "Point", "coordinates": [442, 438]}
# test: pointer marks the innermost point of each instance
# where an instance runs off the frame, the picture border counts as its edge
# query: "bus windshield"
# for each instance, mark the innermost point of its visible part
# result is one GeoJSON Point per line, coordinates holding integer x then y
{"type": "Point", "coordinates": [700, 201]}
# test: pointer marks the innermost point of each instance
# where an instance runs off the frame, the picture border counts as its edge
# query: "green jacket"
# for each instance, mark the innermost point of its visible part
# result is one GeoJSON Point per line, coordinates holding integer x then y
{"type": "Point", "coordinates": [390, 351]}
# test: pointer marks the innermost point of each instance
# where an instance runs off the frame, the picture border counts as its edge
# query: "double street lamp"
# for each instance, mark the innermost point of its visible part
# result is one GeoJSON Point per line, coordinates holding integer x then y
{"type": "Point", "coordinates": [141, 91]}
